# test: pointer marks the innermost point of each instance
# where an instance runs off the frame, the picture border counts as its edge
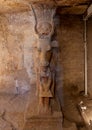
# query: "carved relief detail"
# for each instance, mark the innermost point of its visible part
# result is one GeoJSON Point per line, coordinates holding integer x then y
{"type": "Point", "coordinates": [45, 70]}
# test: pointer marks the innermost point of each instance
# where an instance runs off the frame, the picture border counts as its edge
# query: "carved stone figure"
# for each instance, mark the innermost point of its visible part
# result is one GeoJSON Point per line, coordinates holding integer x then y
{"type": "Point", "coordinates": [46, 92]}
{"type": "Point", "coordinates": [44, 111]}
{"type": "Point", "coordinates": [44, 30]}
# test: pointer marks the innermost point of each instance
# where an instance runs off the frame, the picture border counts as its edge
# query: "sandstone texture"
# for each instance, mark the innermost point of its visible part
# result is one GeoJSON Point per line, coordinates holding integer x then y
{"type": "Point", "coordinates": [17, 59]}
{"type": "Point", "coordinates": [74, 6]}
{"type": "Point", "coordinates": [16, 65]}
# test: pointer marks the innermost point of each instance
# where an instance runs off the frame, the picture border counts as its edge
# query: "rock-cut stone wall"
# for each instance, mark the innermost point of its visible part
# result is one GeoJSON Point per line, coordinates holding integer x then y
{"type": "Point", "coordinates": [17, 73]}
{"type": "Point", "coordinates": [16, 49]}
{"type": "Point", "coordinates": [17, 68]}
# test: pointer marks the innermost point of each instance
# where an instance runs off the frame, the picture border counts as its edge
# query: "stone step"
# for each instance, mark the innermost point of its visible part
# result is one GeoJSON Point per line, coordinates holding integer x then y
{"type": "Point", "coordinates": [43, 123]}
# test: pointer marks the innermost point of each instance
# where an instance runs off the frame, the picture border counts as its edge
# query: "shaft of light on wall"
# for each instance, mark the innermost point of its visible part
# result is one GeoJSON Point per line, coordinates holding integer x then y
{"type": "Point", "coordinates": [89, 11]}
{"type": "Point", "coordinates": [88, 14]}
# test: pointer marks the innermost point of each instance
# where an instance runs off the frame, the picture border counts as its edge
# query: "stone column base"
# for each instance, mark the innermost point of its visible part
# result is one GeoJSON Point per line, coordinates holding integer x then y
{"type": "Point", "coordinates": [44, 123]}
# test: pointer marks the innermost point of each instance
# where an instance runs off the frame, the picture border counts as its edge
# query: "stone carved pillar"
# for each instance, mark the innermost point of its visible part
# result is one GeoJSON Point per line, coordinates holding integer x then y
{"type": "Point", "coordinates": [45, 69]}
{"type": "Point", "coordinates": [47, 113]}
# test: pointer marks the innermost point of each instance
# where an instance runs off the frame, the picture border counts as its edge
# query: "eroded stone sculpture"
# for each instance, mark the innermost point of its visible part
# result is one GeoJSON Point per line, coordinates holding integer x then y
{"type": "Point", "coordinates": [45, 70]}
{"type": "Point", "coordinates": [44, 110]}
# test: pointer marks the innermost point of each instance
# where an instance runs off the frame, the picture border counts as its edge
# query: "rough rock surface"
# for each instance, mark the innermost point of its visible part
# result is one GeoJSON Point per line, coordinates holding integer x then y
{"type": "Point", "coordinates": [17, 50]}
{"type": "Point", "coordinates": [23, 5]}
{"type": "Point", "coordinates": [16, 65]}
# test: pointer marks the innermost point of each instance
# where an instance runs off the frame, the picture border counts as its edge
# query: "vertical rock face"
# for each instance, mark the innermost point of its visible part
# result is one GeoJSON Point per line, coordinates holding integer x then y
{"type": "Point", "coordinates": [16, 66]}
{"type": "Point", "coordinates": [89, 38]}
{"type": "Point", "coordinates": [16, 45]}
{"type": "Point", "coordinates": [72, 50]}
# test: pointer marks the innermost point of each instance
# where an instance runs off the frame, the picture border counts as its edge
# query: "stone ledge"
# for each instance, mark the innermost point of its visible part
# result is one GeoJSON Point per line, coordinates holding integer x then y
{"type": "Point", "coordinates": [43, 123]}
